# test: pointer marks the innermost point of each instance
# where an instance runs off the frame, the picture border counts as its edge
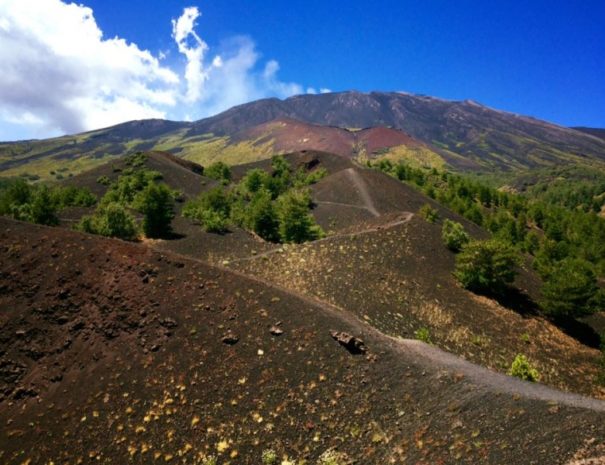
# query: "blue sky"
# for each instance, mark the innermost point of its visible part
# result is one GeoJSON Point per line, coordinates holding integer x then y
{"type": "Point", "coordinates": [543, 59]}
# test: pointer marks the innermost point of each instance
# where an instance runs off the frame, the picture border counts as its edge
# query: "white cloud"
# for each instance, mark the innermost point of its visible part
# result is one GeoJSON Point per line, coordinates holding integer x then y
{"type": "Point", "coordinates": [60, 75]}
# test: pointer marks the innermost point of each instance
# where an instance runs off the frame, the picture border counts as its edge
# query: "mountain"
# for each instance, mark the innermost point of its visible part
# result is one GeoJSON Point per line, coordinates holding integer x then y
{"type": "Point", "coordinates": [597, 132]}
{"type": "Point", "coordinates": [462, 134]}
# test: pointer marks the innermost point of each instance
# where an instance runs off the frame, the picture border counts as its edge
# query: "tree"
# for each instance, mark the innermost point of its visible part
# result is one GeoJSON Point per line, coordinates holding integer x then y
{"type": "Point", "coordinates": [262, 216]}
{"type": "Point", "coordinates": [486, 266]}
{"type": "Point", "coordinates": [295, 222]}
{"type": "Point", "coordinates": [43, 209]}
{"type": "Point", "coordinates": [156, 203]}
{"type": "Point", "coordinates": [454, 236]}
{"type": "Point", "coordinates": [219, 171]}
{"type": "Point", "coordinates": [571, 289]}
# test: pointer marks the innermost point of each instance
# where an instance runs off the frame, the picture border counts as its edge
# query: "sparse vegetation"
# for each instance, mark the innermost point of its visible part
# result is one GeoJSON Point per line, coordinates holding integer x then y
{"type": "Point", "coordinates": [332, 457]}
{"type": "Point", "coordinates": [454, 236]}
{"type": "Point", "coordinates": [486, 266]}
{"type": "Point", "coordinates": [521, 368]}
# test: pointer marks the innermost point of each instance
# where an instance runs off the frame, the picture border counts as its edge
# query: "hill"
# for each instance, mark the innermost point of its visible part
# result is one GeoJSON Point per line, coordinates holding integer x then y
{"type": "Point", "coordinates": [114, 352]}
{"type": "Point", "coordinates": [463, 134]}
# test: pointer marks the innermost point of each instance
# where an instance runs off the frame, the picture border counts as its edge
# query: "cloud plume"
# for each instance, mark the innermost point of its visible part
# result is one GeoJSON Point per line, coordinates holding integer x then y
{"type": "Point", "coordinates": [61, 75]}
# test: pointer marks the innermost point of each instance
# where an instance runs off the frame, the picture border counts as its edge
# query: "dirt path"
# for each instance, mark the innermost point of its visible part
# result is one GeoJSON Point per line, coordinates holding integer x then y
{"type": "Point", "coordinates": [405, 217]}
{"type": "Point", "coordinates": [340, 204]}
{"type": "Point", "coordinates": [493, 381]}
{"type": "Point", "coordinates": [362, 188]}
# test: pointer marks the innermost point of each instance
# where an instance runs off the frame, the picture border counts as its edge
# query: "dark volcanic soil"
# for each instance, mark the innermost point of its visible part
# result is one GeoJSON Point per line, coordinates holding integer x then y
{"type": "Point", "coordinates": [114, 353]}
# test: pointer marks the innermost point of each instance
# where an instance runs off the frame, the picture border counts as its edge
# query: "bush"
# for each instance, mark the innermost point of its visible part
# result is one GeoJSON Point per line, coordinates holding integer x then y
{"type": "Point", "coordinates": [454, 236]}
{"type": "Point", "coordinates": [104, 180]}
{"type": "Point", "coordinates": [156, 203]}
{"type": "Point", "coordinates": [112, 220]}
{"type": "Point", "coordinates": [212, 221]}
{"type": "Point", "coordinates": [571, 289]}
{"type": "Point", "coordinates": [212, 209]}
{"type": "Point", "coordinates": [486, 266]}
{"type": "Point", "coordinates": [521, 368]}
{"type": "Point", "coordinates": [423, 334]}
{"type": "Point", "coordinates": [43, 209]}
{"type": "Point", "coordinates": [428, 213]}
{"type": "Point", "coordinates": [219, 171]}
{"type": "Point", "coordinates": [269, 457]}
{"type": "Point", "coordinates": [295, 222]}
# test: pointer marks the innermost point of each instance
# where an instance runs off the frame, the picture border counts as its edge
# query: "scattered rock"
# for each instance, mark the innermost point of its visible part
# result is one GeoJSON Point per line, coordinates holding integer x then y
{"type": "Point", "coordinates": [230, 338]}
{"type": "Point", "coordinates": [353, 344]}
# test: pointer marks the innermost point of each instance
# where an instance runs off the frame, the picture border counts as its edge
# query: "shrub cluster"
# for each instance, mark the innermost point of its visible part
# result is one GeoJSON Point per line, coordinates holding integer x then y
{"type": "Point", "coordinates": [40, 203]}
{"type": "Point", "coordinates": [275, 205]}
{"type": "Point", "coordinates": [137, 189]}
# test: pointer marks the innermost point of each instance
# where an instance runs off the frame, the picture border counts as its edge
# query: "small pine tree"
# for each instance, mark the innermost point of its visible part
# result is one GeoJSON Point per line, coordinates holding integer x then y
{"type": "Point", "coordinates": [295, 222]}
{"type": "Point", "coordinates": [570, 289]}
{"type": "Point", "coordinates": [262, 216]}
{"type": "Point", "coordinates": [156, 203]}
{"type": "Point", "coordinates": [219, 171]}
{"type": "Point", "coordinates": [486, 266]}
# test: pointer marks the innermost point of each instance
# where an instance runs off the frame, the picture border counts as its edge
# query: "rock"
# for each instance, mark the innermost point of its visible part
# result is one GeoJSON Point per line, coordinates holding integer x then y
{"type": "Point", "coordinates": [353, 344]}
{"type": "Point", "coordinates": [276, 331]}
{"type": "Point", "coordinates": [168, 323]}
{"type": "Point", "coordinates": [230, 338]}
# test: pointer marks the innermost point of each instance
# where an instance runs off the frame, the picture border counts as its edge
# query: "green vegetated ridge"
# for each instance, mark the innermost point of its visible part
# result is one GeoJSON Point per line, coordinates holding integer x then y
{"type": "Point", "coordinates": [567, 245]}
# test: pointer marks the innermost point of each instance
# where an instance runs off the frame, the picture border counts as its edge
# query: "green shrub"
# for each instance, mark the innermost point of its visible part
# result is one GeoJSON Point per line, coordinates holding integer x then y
{"type": "Point", "coordinates": [111, 220]}
{"type": "Point", "coordinates": [521, 368]}
{"type": "Point", "coordinates": [212, 221]}
{"type": "Point", "coordinates": [486, 266]}
{"type": "Point", "coordinates": [219, 171]}
{"type": "Point", "coordinates": [295, 222]}
{"type": "Point", "coordinates": [423, 334]}
{"type": "Point", "coordinates": [42, 208]}
{"type": "Point", "coordinates": [454, 236]}
{"type": "Point", "coordinates": [156, 203]}
{"type": "Point", "coordinates": [570, 290]}
{"type": "Point", "coordinates": [104, 180]}
{"type": "Point", "coordinates": [428, 213]}
{"type": "Point", "coordinates": [212, 209]}
{"type": "Point", "coordinates": [269, 457]}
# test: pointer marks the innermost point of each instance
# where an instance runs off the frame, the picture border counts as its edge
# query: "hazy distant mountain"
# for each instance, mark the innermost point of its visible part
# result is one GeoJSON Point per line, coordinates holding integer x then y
{"type": "Point", "coordinates": [464, 134]}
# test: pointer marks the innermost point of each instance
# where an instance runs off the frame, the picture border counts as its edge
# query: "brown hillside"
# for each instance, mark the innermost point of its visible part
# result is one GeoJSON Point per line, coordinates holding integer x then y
{"type": "Point", "coordinates": [290, 135]}
{"type": "Point", "coordinates": [114, 353]}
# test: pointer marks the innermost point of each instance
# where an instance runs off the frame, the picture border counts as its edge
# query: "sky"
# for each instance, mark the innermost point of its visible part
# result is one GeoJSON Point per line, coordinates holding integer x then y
{"type": "Point", "coordinates": [66, 68]}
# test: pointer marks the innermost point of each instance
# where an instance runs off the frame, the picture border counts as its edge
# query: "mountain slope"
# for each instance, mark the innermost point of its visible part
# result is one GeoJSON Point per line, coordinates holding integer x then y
{"type": "Point", "coordinates": [467, 135]}
{"type": "Point", "coordinates": [117, 355]}
{"type": "Point", "coordinates": [489, 137]}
